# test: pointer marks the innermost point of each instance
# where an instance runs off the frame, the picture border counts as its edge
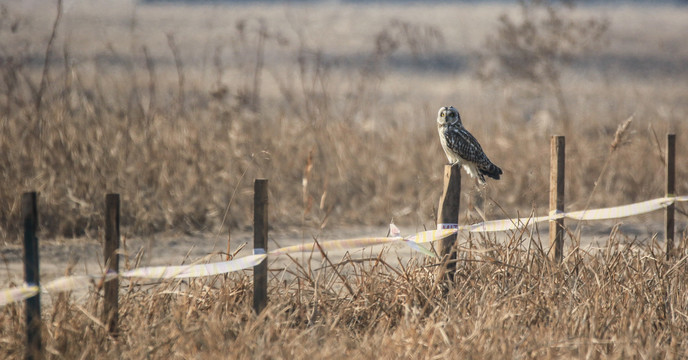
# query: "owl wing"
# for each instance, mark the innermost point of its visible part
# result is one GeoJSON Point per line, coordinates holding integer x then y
{"type": "Point", "coordinates": [460, 141]}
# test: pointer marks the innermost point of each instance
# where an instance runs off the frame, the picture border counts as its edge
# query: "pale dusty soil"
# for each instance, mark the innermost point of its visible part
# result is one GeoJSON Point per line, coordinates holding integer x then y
{"type": "Point", "coordinates": [175, 249]}
{"type": "Point", "coordinates": [56, 255]}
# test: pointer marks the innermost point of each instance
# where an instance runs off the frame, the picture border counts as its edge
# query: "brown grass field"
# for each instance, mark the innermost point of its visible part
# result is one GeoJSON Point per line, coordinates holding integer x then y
{"type": "Point", "coordinates": [178, 108]}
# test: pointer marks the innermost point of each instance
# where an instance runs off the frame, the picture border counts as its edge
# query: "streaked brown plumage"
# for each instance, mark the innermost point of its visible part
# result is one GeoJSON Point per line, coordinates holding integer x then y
{"type": "Point", "coordinates": [462, 148]}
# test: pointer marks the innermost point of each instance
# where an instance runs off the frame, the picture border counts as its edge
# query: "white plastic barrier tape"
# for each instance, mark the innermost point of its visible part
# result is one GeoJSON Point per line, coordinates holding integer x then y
{"type": "Point", "coordinates": [432, 235]}
{"type": "Point", "coordinates": [335, 245]}
{"type": "Point", "coordinates": [200, 270]}
{"type": "Point", "coordinates": [617, 212]}
{"type": "Point", "coordinates": [621, 211]}
{"type": "Point", "coordinates": [69, 283]}
{"type": "Point", "coordinates": [18, 293]}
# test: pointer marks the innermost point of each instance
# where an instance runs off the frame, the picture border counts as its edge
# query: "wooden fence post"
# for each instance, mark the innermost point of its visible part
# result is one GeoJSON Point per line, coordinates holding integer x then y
{"type": "Point", "coordinates": [34, 349]}
{"type": "Point", "coordinates": [111, 288]}
{"type": "Point", "coordinates": [556, 197]}
{"type": "Point", "coordinates": [448, 213]}
{"type": "Point", "coordinates": [260, 241]}
{"type": "Point", "coordinates": [670, 191]}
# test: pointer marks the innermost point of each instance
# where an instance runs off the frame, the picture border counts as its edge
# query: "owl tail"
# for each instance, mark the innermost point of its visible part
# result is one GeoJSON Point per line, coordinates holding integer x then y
{"type": "Point", "coordinates": [490, 170]}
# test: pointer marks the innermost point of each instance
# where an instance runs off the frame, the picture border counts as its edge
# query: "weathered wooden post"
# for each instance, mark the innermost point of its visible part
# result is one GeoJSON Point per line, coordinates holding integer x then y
{"type": "Point", "coordinates": [34, 348]}
{"type": "Point", "coordinates": [260, 241]}
{"type": "Point", "coordinates": [670, 191]}
{"type": "Point", "coordinates": [448, 214]}
{"type": "Point", "coordinates": [556, 197]}
{"type": "Point", "coordinates": [111, 288]}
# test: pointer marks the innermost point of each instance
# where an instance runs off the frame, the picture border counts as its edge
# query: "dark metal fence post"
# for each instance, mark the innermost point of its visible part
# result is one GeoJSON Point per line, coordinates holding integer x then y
{"type": "Point", "coordinates": [260, 241]}
{"type": "Point", "coordinates": [34, 348]}
{"type": "Point", "coordinates": [111, 288]}
{"type": "Point", "coordinates": [670, 191]}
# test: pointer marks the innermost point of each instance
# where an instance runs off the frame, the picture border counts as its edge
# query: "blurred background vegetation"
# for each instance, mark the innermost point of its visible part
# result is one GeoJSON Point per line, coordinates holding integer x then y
{"type": "Point", "coordinates": [178, 107]}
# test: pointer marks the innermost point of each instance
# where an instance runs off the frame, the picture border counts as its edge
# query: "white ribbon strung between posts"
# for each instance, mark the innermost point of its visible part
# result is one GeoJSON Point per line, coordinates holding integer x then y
{"type": "Point", "coordinates": [69, 283]}
{"type": "Point", "coordinates": [616, 212]}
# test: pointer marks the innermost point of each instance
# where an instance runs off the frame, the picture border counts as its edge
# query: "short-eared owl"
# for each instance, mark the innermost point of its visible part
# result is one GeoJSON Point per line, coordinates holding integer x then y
{"type": "Point", "coordinates": [462, 148]}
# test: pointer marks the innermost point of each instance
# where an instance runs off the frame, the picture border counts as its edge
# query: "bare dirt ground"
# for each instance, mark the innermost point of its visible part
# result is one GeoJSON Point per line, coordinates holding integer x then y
{"type": "Point", "coordinates": [84, 255]}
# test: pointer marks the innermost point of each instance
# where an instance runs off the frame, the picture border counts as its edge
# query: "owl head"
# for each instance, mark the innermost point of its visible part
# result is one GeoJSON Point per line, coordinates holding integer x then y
{"type": "Point", "coordinates": [448, 115]}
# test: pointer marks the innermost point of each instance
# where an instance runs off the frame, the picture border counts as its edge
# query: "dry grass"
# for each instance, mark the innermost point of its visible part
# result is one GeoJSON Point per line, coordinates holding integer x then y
{"type": "Point", "coordinates": [178, 108]}
{"type": "Point", "coordinates": [623, 301]}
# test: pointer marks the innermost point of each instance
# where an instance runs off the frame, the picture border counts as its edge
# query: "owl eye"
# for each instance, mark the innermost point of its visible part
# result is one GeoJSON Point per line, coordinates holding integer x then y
{"type": "Point", "coordinates": [442, 115]}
